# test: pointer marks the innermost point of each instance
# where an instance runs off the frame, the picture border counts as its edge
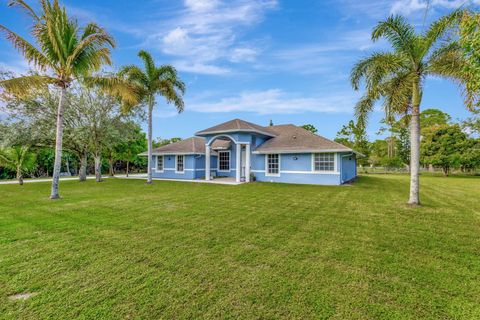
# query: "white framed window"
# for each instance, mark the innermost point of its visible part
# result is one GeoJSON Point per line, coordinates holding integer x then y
{"type": "Point", "coordinates": [272, 165]}
{"type": "Point", "coordinates": [224, 160]}
{"type": "Point", "coordinates": [159, 166]}
{"type": "Point", "coordinates": [179, 163]}
{"type": "Point", "coordinates": [323, 162]}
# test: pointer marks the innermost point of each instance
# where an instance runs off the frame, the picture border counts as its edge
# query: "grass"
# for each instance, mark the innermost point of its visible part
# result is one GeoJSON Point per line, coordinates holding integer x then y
{"type": "Point", "coordinates": [121, 249]}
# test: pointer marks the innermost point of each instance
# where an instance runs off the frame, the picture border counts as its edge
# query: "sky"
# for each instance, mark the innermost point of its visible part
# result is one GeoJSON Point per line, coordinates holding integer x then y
{"type": "Point", "coordinates": [258, 60]}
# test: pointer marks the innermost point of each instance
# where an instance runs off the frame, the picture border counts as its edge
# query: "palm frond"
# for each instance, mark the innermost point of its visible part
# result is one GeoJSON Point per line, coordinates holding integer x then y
{"type": "Point", "coordinates": [25, 85]}
{"type": "Point", "coordinates": [23, 5]}
{"type": "Point", "coordinates": [398, 32]}
{"type": "Point", "coordinates": [30, 53]}
{"type": "Point", "coordinates": [149, 63]}
{"type": "Point", "coordinates": [439, 28]}
{"type": "Point", "coordinates": [375, 68]}
{"type": "Point", "coordinates": [365, 106]}
{"type": "Point", "coordinates": [115, 86]}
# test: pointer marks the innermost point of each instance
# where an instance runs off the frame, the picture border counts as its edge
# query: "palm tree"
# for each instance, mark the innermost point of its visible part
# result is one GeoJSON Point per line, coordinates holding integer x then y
{"type": "Point", "coordinates": [149, 82]}
{"type": "Point", "coordinates": [398, 77]}
{"type": "Point", "coordinates": [18, 159]}
{"type": "Point", "coordinates": [64, 53]}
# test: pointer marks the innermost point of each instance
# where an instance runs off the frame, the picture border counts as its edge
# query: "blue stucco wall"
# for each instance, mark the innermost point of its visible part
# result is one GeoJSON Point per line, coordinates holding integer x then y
{"type": "Point", "coordinates": [194, 167]}
{"type": "Point", "coordinates": [295, 168]}
{"type": "Point", "coordinates": [349, 167]}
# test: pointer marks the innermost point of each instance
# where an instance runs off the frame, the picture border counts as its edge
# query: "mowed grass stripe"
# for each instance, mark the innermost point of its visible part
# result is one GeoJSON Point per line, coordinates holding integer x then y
{"type": "Point", "coordinates": [173, 250]}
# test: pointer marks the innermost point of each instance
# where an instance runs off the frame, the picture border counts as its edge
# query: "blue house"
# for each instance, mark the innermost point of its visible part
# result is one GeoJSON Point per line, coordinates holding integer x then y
{"type": "Point", "coordinates": [244, 151]}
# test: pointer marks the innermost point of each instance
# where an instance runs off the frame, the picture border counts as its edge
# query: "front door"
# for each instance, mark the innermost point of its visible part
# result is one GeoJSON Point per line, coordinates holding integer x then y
{"type": "Point", "coordinates": [243, 161]}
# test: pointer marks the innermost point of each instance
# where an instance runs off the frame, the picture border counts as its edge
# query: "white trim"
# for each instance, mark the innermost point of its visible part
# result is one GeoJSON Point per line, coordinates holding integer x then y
{"type": "Point", "coordinates": [312, 172]}
{"type": "Point", "coordinates": [156, 164]}
{"type": "Point", "coordinates": [335, 164]}
{"type": "Point", "coordinates": [229, 161]}
{"type": "Point", "coordinates": [218, 136]}
{"type": "Point", "coordinates": [266, 165]}
{"type": "Point", "coordinates": [302, 151]}
{"type": "Point", "coordinates": [238, 161]}
{"type": "Point", "coordinates": [299, 172]}
{"type": "Point", "coordinates": [199, 133]}
{"type": "Point", "coordinates": [176, 164]}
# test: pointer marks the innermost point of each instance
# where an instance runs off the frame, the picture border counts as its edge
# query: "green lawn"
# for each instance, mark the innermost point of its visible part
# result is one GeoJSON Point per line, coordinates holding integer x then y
{"type": "Point", "coordinates": [122, 249]}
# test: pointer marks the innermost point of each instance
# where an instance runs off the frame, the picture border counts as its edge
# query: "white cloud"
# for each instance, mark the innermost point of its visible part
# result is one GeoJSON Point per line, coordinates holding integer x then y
{"type": "Point", "coordinates": [243, 54]}
{"type": "Point", "coordinates": [407, 7]}
{"type": "Point", "coordinates": [208, 31]}
{"type": "Point", "coordinates": [200, 67]}
{"type": "Point", "coordinates": [276, 101]}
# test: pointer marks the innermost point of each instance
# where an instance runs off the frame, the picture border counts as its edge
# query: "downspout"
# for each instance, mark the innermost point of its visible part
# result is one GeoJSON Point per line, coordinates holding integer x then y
{"type": "Point", "coordinates": [341, 165]}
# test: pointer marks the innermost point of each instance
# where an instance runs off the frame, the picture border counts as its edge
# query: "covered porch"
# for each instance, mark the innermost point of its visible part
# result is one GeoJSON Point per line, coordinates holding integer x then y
{"type": "Point", "coordinates": [236, 159]}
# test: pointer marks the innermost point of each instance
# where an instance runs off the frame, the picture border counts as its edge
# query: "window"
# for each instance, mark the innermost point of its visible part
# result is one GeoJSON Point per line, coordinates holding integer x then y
{"type": "Point", "coordinates": [273, 164]}
{"type": "Point", "coordinates": [180, 164]}
{"type": "Point", "coordinates": [159, 163]}
{"type": "Point", "coordinates": [324, 162]}
{"type": "Point", "coordinates": [224, 161]}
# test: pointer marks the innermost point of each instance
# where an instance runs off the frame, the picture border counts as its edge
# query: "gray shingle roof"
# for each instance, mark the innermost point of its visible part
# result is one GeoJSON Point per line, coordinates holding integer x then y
{"type": "Point", "coordinates": [236, 125]}
{"type": "Point", "coordinates": [193, 145]}
{"type": "Point", "coordinates": [290, 138]}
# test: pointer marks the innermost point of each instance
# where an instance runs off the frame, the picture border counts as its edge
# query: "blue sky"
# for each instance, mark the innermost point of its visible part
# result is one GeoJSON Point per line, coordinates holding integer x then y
{"type": "Point", "coordinates": [288, 61]}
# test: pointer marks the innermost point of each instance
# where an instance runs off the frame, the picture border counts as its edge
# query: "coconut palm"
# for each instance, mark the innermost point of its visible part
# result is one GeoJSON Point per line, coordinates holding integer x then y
{"type": "Point", "coordinates": [18, 159]}
{"type": "Point", "coordinates": [398, 77]}
{"type": "Point", "coordinates": [63, 53]}
{"type": "Point", "coordinates": [152, 81]}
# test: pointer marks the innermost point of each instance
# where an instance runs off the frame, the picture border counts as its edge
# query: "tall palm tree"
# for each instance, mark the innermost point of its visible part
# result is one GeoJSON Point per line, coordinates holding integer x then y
{"type": "Point", "coordinates": [152, 81]}
{"type": "Point", "coordinates": [398, 77]}
{"type": "Point", "coordinates": [63, 53]}
{"type": "Point", "coordinates": [19, 159]}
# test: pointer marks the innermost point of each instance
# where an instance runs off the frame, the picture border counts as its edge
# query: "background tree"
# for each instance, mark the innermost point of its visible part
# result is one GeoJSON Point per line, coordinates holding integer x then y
{"type": "Point", "coordinates": [398, 77]}
{"type": "Point", "coordinates": [354, 137]}
{"type": "Point", "coordinates": [472, 124]}
{"type": "Point", "coordinates": [443, 146]}
{"type": "Point", "coordinates": [19, 159]}
{"type": "Point", "coordinates": [64, 52]}
{"type": "Point", "coordinates": [150, 82]}
{"type": "Point", "coordinates": [129, 149]}
{"type": "Point", "coordinates": [310, 127]}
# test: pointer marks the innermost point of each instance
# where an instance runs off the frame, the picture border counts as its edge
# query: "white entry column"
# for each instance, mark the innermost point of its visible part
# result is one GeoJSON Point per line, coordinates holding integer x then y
{"type": "Point", "coordinates": [247, 162]}
{"type": "Point", "coordinates": [238, 162]}
{"type": "Point", "coordinates": [207, 162]}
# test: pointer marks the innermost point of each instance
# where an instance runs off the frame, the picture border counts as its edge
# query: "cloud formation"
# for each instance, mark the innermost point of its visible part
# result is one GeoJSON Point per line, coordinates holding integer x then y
{"type": "Point", "coordinates": [205, 32]}
{"type": "Point", "coordinates": [276, 101]}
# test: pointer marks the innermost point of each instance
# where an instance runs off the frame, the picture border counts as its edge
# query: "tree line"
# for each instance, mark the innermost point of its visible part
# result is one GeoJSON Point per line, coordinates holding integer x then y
{"type": "Point", "coordinates": [446, 144]}
{"type": "Point", "coordinates": [67, 97]}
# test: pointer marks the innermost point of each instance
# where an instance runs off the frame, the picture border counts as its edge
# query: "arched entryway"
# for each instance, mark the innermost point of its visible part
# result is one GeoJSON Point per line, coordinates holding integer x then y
{"type": "Point", "coordinates": [242, 157]}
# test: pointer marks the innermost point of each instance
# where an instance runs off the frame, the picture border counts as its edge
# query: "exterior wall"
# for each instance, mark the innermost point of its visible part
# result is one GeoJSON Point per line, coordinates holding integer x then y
{"type": "Point", "coordinates": [296, 168]}
{"type": "Point", "coordinates": [233, 157]}
{"type": "Point", "coordinates": [349, 167]}
{"type": "Point", "coordinates": [200, 166]}
{"type": "Point", "coordinates": [169, 168]}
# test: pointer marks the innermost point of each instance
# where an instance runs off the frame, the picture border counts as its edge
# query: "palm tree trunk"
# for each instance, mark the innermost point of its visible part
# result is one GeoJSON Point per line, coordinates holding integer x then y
{"type": "Point", "coordinates": [19, 176]}
{"type": "Point", "coordinates": [82, 175]}
{"type": "Point", "coordinates": [58, 145]}
{"type": "Point", "coordinates": [128, 163]}
{"type": "Point", "coordinates": [149, 169]}
{"type": "Point", "coordinates": [98, 167]}
{"type": "Point", "coordinates": [415, 146]}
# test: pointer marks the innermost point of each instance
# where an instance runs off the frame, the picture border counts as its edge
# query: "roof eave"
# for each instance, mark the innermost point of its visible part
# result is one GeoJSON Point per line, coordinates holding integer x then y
{"type": "Point", "coordinates": [203, 133]}
{"type": "Point", "coordinates": [301, 151]}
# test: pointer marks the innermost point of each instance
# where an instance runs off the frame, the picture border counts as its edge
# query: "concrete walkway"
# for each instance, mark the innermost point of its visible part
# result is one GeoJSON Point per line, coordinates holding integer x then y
{"type": "Point", "coordinates": [15, 181]}
{"type": "Point", "coordinates": [141, 176]}
{"type": "Point", "coordinates": [227, 180]}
